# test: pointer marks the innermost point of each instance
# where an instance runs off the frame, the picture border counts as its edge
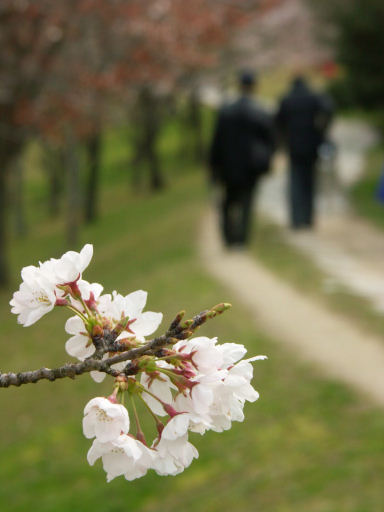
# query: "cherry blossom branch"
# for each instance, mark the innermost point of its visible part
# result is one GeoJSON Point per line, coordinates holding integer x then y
{"type": "Point", "coordinates": [177, 331]}
{"type": "Point", "coordinates": [108, 338]}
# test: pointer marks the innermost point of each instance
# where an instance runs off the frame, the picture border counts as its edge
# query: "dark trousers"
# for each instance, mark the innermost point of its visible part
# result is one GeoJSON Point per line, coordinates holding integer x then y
{"type": "Point", "coordinates": [236, 213]}
{"type": "Point", "coordinates": [302, 193]}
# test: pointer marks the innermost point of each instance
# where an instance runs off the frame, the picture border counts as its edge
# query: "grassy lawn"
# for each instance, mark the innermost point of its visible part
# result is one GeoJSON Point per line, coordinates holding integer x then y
{"type": "Point", "coordinates": [308, 445]}
{"type": "Point", "coordinates": [364, 193]}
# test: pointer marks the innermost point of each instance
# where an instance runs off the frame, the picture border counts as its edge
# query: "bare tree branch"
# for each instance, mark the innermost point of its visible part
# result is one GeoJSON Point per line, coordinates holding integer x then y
{"type": "Point", "coordinates": [177, 331]}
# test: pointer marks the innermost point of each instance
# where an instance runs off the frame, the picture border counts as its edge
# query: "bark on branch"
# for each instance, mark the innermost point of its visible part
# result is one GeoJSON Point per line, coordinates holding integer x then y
{"type": "Point", "coordinates": [177, 331]}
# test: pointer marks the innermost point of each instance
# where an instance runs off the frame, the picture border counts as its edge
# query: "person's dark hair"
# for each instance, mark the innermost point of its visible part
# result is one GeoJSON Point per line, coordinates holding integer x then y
{"type": "Point", "coordinates": [247, 79]}
{"type": "Point", "coordinates": [299, 80]}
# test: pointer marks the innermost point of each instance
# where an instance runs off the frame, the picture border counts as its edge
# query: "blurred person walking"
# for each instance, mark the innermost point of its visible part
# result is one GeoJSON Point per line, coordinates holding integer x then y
{"type": "Point", "coordinates": [302, 121]}
{"type": "Point", "coordinates": [240, 154]}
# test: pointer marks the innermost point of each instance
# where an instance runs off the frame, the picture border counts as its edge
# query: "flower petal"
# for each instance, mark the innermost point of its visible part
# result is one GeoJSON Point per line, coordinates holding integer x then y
{"type": "Point", "coordinates": [147, 323]}
{"type": "Point", "coordinates": [135, 302]}
{"type": "Point", "coordinates": [74, 325]}
{"type": "Point", "coordinates": [76, 346]}
{"type": "Point", "coordinates": [86, 254]}
{"type": "Point", "coordinates": [97, 376]}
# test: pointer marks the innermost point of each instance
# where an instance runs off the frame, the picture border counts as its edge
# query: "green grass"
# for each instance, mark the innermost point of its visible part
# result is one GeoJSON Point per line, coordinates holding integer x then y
{"type": "Point", "coordinates": [364, 193]}
{"type": "Point", "coordinates": [176, 154]}
{"type": "Point", "coordinates": [308, 445]}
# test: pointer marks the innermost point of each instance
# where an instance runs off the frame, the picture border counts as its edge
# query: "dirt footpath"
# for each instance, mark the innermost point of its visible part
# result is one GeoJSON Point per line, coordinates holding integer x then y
{"type": "Point", "coordinates": [345, 247]}
{"type": "Point", "coordinates": [315, 334]}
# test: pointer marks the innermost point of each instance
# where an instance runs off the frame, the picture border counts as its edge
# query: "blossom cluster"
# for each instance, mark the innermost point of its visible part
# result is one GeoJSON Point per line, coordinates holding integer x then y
{"type": "Point", "coordinates": [185, 384]}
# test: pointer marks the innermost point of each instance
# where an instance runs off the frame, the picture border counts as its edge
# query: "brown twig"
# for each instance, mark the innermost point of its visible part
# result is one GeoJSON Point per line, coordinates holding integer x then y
{"type": "Point", "coordinates": [175, 333]}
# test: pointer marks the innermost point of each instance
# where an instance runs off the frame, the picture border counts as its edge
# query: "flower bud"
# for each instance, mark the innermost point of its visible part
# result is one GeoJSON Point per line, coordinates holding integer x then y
{"type": "Point", "coordinates": [131, 385]}
{"type": "Point", "coordinates": [97, 331]}
{"type": "Point", "coordinates": [147, 363]}
{"type": "Point", "coordinates": [185, 335]}
{"type": "Point", "coordinates": [177, 320]}
{"type": "Point", "coordinates": [122, 383]}
{"type": "Point", "coordinates": [128, 342]}
{"type": "Point", "coordinates": [218, 309]}
{"type": "Point", "coordinates": [166, 352]}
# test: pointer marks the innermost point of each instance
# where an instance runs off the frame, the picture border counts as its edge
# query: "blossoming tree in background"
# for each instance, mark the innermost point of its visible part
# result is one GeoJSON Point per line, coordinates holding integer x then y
{"type": "Point", "coordinates": [185, 383]}
{"type": "Point", "coordinates": [70, 68]}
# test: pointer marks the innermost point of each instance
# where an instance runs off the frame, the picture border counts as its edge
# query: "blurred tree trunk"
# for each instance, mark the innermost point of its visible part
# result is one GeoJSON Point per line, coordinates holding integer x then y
{"type": "Point", "coordinates": [9, 147]}
{"type": "Point", "coordinates": [54, 165]}
{"type": "Point", "coordinates": [93, 150]}
{"type": "Point", "coordinates": [149, 107]}
{"type": "Point", "coordinates": [18, 197]}
{"type": "Point", "coordinates": [73, 190]}
{"type": "Point", "coordinates": [137, 159]}
{"type": "Point", "coordinates": [184, 143]}
{"type": "Point", "coordinates": [4, 266]}
{"type": "Point", "coordinates": [155, 176]}
{"type": "Point", "coordinates": [136, 142]}
{"type": "Point", "coordinates": [196, 124]}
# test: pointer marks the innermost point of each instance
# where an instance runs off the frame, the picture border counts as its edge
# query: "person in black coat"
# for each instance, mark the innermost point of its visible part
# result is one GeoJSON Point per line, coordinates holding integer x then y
{"type": "Point", "coordinates": [302, 120]}
{"type": "Point", "coordinates": [241, 151]}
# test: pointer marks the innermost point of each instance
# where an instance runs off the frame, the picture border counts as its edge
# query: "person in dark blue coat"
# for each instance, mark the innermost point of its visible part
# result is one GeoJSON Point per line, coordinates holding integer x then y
{"type": "Point", "coordinates": [302, 120]}
{"type": "Point", "coordinates": [241, 152]}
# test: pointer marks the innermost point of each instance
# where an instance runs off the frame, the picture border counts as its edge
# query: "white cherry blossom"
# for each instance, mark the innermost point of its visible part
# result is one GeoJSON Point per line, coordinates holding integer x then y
{"type": "Point", "coordinates": [205, 354]}
{"type": "Point", "coordinates": [38, 291]}
{"type": "Point", "coordinates": [35, 297]}
{"type": "Point", "coordinates": [104, 420]}
{"type": "Point", "coordinates": [88, 288]}
{"type": "Point", "coordinates": [115, 306]}
{"type": "Point", "coordinates": [231, 393]}
{"type": "Point", "coordinates": [231, 352]}
{"type": "Point", "coordinates": [72, 264]}
{"type": "Point", "coordinates": [79, 344]}
{"type": "Point", "coordinates": [123, 455]}
{"type": "Point", "coordinates": [176, 427]}
{"type": "Point", "coordinates": [87, 291]}
{"type": "Point", "coordinates": [197, 384]}
{"type": "Point", "coordinates": [160, 387]}
{"type": "Point", "coordinates": [218, 397]}
{"type": "Point", "coordinates": [173, 456]}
